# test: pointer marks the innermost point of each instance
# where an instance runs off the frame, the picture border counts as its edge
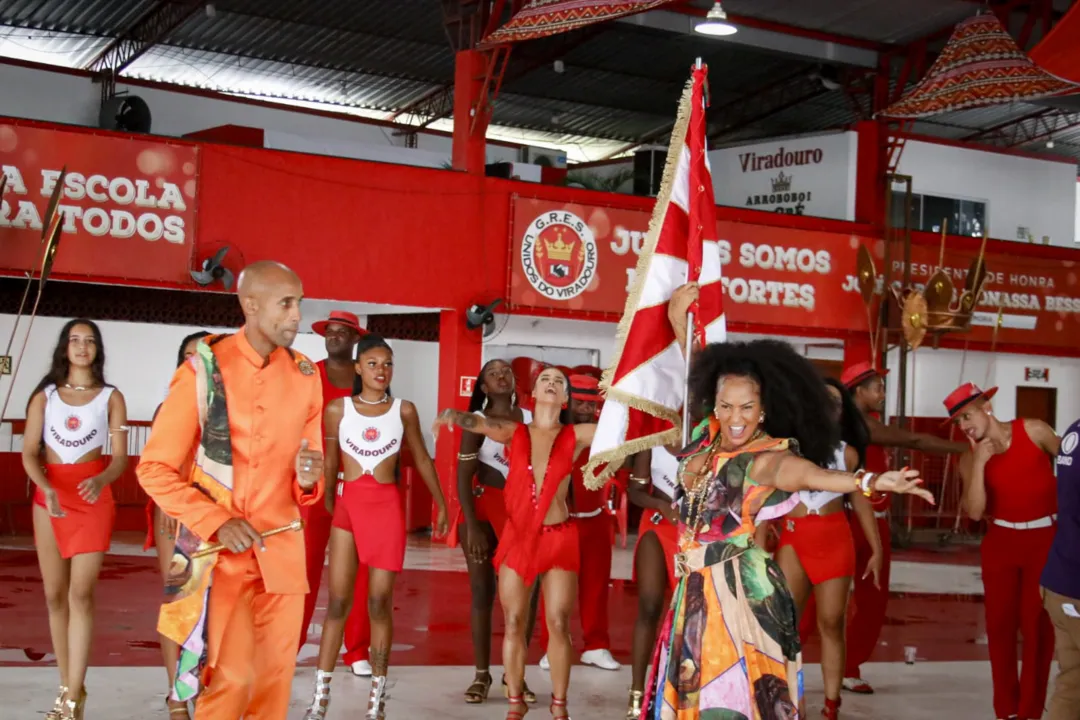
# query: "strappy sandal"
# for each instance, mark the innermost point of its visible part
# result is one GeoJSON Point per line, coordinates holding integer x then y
{"type": "Point", "coordinates": [516, 714]}
{"type": "Point", "coordinates": [831, 711]}
{"type": "Point", "coordinates": [73, 709]}
{"type": "Point", "coordinates": [529, 695]}
{"type": "Point", "coordinates": [178, 709]}
{"type": "Point", "coordinates": [377, 699]}
{"type": "Point", "coordinates": [633, 709]}
{"type": "Point", "coordinates": [320, 700]}
{"type": "Point", "coordinates": [558, 703]}
{"type": "Point", "coordinates": [54, 714]}
{"type": "Point", "coordinates": [478, 692]}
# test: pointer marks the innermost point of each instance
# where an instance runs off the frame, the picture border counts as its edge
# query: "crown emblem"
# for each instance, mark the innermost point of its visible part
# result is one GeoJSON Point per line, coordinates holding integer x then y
{"type": "Point", "coordinates": [781, 183]}
{"type": "Point", "coordinates": [560, 249]}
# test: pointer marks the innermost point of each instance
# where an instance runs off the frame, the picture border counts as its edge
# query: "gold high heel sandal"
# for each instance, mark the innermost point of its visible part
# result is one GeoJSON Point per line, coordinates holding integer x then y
{"type": "Point", "coordinates": [633, 710]}
{"type": "Point", "coordinates": [73, 709]}
{"type": "Point", "coordinates": [54, 714]}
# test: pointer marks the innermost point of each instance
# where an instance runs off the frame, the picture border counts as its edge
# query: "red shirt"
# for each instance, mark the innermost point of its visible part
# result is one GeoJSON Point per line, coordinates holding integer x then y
{"type": "Point", "coordinates": [585, 500]}
{"type": "Point", "coordinates": [329, 390]}
{"type": "Point", "coordinates": [1020, 483]}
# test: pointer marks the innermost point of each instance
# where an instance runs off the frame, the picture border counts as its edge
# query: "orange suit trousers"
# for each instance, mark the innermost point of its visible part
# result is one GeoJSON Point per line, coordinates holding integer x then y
{"type": "Point", "coordinates": [252, 644]}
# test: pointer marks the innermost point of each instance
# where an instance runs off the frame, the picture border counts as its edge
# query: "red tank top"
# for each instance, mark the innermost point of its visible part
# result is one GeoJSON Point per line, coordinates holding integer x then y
{"type": "Point", "coordinates": [329, 390]}
{"type": "Point", "coordinates": [586, 500]}
{"type": "Point", "coordinates": [1020, 483]}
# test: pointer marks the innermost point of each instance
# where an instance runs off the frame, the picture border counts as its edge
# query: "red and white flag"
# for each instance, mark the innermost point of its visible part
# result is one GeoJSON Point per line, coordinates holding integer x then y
{"type": "Point", "coordinates": [645, 386]}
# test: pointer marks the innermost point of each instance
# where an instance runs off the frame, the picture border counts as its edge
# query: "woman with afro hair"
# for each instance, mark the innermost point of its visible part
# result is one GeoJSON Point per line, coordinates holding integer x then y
{"type": "Point", "coordinates": [768, 436]}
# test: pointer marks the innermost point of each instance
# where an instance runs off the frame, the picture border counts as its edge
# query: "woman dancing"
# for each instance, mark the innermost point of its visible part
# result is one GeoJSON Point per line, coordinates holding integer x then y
{"type": "Point", "coordinates": [539, 539]}
{"type": "Point", "coordinates": [364, 435]}
{"type": "Point", "coordinates": [484, 513]}
{"type": "Point", "coordinates": [652, 487]}
{"type": "Point", "coordinates": [161, 533]}
{"type": "Point", "coordinates": [765, 439]}
{"type": "Point", "coordinates": [71, 416]}
{"type": "Point", "coordinates": [816, 550]}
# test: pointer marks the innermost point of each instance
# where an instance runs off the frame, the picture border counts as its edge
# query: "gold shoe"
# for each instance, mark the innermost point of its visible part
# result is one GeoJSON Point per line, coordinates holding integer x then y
{"type": "Point", "coordinates": [633, 710]}
{"type": "Point", "coordinates": [54, 714]}
{"type": "Point", "coordinates": [73, 709]}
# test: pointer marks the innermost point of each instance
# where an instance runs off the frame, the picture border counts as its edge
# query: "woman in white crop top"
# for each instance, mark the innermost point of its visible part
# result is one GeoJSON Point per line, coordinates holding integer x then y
{"type": "Point", "coordinates": [483, 513]}
{"type": "Point", "coordinates": [71, 417]}
{"type": "Point", "coordinates": [364, 438]}
{"type": "Point", "coordinates": [816, 551]}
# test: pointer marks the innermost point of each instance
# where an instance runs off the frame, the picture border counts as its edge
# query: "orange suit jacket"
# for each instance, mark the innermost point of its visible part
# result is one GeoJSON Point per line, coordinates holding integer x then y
{"type": "Point", "coordinates": [272, 405]}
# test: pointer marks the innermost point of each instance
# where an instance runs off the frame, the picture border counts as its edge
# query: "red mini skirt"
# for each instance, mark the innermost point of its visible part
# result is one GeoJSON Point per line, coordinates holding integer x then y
{"type": "Point", "coordinates": [824, 544]}
{"type": "Point", "coordinates": [490, 506]}
{"type": "Point", "coordinates": [557, 548]}
{"type": "Point", "coordinates": [373, 513]}
{"type": "Point", "coordinates": [667, 534]}
{"type": "Point", "coordinates": [85, 527]}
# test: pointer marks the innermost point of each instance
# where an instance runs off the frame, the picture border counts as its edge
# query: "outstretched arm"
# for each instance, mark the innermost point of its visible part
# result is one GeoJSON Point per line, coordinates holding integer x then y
{"type": "Point", "coordinates": [499, 430]}
{"type": "Point", "coordinates": [892, 436]}
{"type": "Point", "coordinates": [791, 473]}
{"type": "Point", "coordinates": [423, 462]}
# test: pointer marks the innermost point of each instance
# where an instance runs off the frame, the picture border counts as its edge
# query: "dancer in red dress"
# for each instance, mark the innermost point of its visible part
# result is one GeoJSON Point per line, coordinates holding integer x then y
{"type": "Point", "coordinates": [652, 486]}
{"type": "Point", "coordinates": [596, 528]}
{"type": "Point", "coordinates": [539, 539]}
{"type": "Point", "coordinates": [70, 420]}
{"type": "Point", "coordinates": [871, 597]}
{"type": "Point", "coordinates": [338, 373]}
{"type": "Point", "coordinates": [161, 534]}
{"type": "Point", "coordinates": [483, 514]}
{"type": "Point", "coordinates": [364, 437]}
{"type": "Point", "coordinates": [816, 551]}
{"type": "Point", "coordinates": [1008, 476]}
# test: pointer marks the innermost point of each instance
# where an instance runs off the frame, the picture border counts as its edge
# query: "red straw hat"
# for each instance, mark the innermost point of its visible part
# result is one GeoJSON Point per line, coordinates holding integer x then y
{"type": "Point", "coordinates": [338, 317]}
{"type": "Point", "coordinates": [584, 387]}
{"type": "Point", "coordinates": [963, 396]}
{"type": "Point", "coordinates": [857, 373]}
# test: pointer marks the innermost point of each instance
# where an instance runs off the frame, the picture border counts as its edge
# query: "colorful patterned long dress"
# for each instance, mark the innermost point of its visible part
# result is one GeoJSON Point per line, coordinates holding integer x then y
{"type": "Point", "coordinates": [729, 646]}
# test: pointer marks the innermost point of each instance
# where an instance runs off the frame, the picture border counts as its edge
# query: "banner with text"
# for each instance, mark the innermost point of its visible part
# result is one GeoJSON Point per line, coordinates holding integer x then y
{"type": "Point", "coordinates": [581, 257]}
{"type": "Point", "coordinates": [128, 205]}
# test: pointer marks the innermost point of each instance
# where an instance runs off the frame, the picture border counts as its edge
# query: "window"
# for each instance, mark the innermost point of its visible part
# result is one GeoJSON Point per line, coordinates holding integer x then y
{"type": "Point", "coordinates": [965, 217]}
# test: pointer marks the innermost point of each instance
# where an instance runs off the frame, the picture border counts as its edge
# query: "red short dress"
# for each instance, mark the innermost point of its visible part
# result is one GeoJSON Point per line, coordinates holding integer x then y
{"type": "Point", "coordinates": [528, 546]}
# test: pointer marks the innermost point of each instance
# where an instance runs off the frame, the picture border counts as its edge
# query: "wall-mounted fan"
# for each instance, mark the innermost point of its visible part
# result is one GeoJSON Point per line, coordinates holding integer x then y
{"type": "Point", "coordinates": [213, 269]}
{"type": "Point", "coordinates": [481, 316]}
{"type": "Point", "coordinates": [129, 113]}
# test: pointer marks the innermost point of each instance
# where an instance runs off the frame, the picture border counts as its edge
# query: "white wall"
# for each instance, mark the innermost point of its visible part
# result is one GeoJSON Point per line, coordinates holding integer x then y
{"type": "Point", "coordinates": [70, 99]}
{"type": "Point", "coordinates": [140, 360]}
{"type": "Point", "coordinates": [1040, 195]}
{"type": "Point", "coordinates": [933, 374]}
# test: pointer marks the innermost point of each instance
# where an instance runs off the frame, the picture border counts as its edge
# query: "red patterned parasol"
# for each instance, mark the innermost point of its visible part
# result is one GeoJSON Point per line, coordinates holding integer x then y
{"type": "Point", "coordinates": [980, 65]}
{"type": "Point", "coordinates": [540, 18]}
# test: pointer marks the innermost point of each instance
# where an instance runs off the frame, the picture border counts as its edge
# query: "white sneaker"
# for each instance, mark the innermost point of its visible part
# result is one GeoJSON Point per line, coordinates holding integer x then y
{"type": "Point", "coordinates": [361, 668]}
{"type": "Point", "coordinates": [601, 659]}
{"type": "Point", "coordinates": [544, 664]}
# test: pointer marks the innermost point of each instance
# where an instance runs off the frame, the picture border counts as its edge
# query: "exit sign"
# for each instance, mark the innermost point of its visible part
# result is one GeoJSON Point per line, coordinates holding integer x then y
{"type": "Point", "coordinates": [1040, 374]}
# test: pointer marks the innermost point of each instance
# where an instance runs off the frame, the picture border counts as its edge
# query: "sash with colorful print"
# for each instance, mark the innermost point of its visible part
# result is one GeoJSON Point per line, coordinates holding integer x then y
{"type": "Point", "coordinates": [183, 616]}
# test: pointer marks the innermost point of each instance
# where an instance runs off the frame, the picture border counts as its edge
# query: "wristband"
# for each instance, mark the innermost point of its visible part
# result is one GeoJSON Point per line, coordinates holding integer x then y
{"type": "Point", "coordinates": [468, 456]}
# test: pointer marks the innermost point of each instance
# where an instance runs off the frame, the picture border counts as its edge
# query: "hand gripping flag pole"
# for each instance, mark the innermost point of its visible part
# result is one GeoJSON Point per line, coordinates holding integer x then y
{"type": "Point", "coordinates": [646, 385]}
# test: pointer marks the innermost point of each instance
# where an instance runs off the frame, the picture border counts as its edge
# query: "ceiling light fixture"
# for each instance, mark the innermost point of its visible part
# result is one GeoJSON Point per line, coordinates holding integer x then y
{"type": "Point", "coordinates": [716, 23]}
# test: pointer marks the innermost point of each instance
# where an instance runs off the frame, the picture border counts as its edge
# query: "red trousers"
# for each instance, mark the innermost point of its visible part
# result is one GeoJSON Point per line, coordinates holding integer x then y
{"type": "Point", "coordinates": [317, 523]}
{"type": "Point", "coordinates": [1012, 561]}
{"type": "Point", "coordinates": [595, 538]}
{"type": "Point", "coordinates": [867, 616]}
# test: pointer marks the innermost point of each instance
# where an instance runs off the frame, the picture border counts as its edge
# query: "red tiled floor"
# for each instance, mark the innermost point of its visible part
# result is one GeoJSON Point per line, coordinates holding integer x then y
{"type": "Point", "coordinates": [431, 613]}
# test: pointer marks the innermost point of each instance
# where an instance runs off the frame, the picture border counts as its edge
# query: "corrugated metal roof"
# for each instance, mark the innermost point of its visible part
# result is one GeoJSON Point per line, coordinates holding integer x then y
{"type": "Point", "coordinates": [884, 22]}
{"type": "Point", "coordinates": [89, 17]}
{"type": "Point", "coordinates": [620, 81]}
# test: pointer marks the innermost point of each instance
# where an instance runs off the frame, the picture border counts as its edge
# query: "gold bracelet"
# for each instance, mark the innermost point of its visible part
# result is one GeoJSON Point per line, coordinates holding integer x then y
{"type": "Point", "coordinates": [469, 456]}
{"type": "Point", "coordinates": [640, 480]}
{"type": "Point", "coordinates": [122, 428]}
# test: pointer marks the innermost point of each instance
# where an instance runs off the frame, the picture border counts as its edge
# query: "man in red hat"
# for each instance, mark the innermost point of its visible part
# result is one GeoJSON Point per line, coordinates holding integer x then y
{"type": "Point", "coordinates": [1009, 477]}
{"type": "Point", "coordinates": [589, 508]}
{"type": "Point", "coordinates": [337, 372]}
{"type": "Point", "coordinates": [867, 386]}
